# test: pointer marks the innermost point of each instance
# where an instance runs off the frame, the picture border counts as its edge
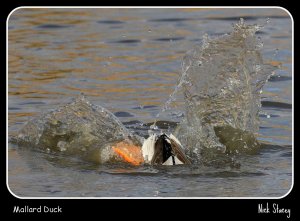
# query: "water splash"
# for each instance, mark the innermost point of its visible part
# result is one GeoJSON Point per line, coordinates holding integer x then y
{"type": "Point", "coordinates": [78, 128]}
{"type": "Point", "coordinates": [222, 80]}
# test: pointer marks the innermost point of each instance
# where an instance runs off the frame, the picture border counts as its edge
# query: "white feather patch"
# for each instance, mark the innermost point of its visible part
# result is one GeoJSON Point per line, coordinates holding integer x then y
{"type": "Point", "coordinates": [148, 148]}
{"type": "Point", "coordinates": [176, 140]}
{"type": "Point", "coordinates": [169, 161]}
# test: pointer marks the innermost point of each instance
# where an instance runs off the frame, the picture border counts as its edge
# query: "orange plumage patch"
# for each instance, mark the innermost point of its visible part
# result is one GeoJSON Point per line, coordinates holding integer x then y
{"type": "Point", "coordinates": [129, 153]}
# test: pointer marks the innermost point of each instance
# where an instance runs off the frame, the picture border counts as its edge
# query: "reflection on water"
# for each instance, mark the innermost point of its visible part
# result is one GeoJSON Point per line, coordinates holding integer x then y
{"type": "Point", "coordinates": [128, 60]}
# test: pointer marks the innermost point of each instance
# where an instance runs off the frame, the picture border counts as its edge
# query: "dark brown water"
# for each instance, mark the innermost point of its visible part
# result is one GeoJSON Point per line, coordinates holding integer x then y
{"type": "Point", "coordinates": [129, 61]}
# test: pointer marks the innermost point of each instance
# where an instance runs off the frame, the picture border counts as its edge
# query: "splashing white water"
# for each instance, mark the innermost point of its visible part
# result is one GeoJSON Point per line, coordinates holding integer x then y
{"type": "Point", "coordinates": [222, 80]}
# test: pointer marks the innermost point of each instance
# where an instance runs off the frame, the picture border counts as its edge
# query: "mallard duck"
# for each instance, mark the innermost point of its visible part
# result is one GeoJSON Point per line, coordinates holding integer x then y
{"type": "Point", "coordinates": [156, 150]}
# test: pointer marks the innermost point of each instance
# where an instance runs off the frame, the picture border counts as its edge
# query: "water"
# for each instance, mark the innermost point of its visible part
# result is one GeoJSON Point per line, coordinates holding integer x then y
{"type": "Point", "coordinates": [222, 82]}
{"type": "Point", "coordinates": [129, 61]}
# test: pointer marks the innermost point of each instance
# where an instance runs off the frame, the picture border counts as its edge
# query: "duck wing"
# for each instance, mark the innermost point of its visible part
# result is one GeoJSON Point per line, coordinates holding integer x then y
{"type": "Point", "coordinates": [178, 151]}
{"type": "Point", "coordinates": [166, 147]}
{"type": "Point", "coordinates": [158, 156]}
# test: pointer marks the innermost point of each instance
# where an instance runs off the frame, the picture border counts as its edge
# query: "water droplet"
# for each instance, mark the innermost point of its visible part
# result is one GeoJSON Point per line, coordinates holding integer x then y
{"type": "Point", "coordinates": [276, 52]}
{"type": "Point", "coordinates": [259, 45]}
{"type": "Point", "coordinates": [124, 36]}
{"type": "Point", "coordinates": [268, 116]}
{"type": "Point", "coordinates": [62, 145]}
{"type": "Point", "coordinates": [153, 127]}
{"type": "Point", "coordinates": [107, 63]}
{"type": "Point", "coordinates": [267, 20]}
{"type": "Point", "coordinates": [205, 41]}
{"type": "Point", "coordinates": [149, 30]}
{"type": "Point", "coordinates": [257, 68]}
{"type": "Point", "coordinates": [242, 22]}
{"type": "Point", "coordinates": [156, 193]}
{"type": "Point", "coordinates": [199, 63]}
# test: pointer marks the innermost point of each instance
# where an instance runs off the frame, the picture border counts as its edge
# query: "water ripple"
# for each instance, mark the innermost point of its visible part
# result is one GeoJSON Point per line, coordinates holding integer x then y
{"type": "Point", "coordinates": [170, 39]}
{"type": "Point", "coordinates": [110, 22]}
{"type": "Point", "coordinates": [275, 104]}
{"type": "Point", "coordinates": [53, 26]}
{"type": "Point", "coordinates": [127, 41]}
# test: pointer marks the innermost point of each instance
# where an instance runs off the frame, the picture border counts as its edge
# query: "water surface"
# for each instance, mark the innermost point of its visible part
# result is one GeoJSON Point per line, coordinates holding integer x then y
{"type": "Point", "coordinates": [129, 61]}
